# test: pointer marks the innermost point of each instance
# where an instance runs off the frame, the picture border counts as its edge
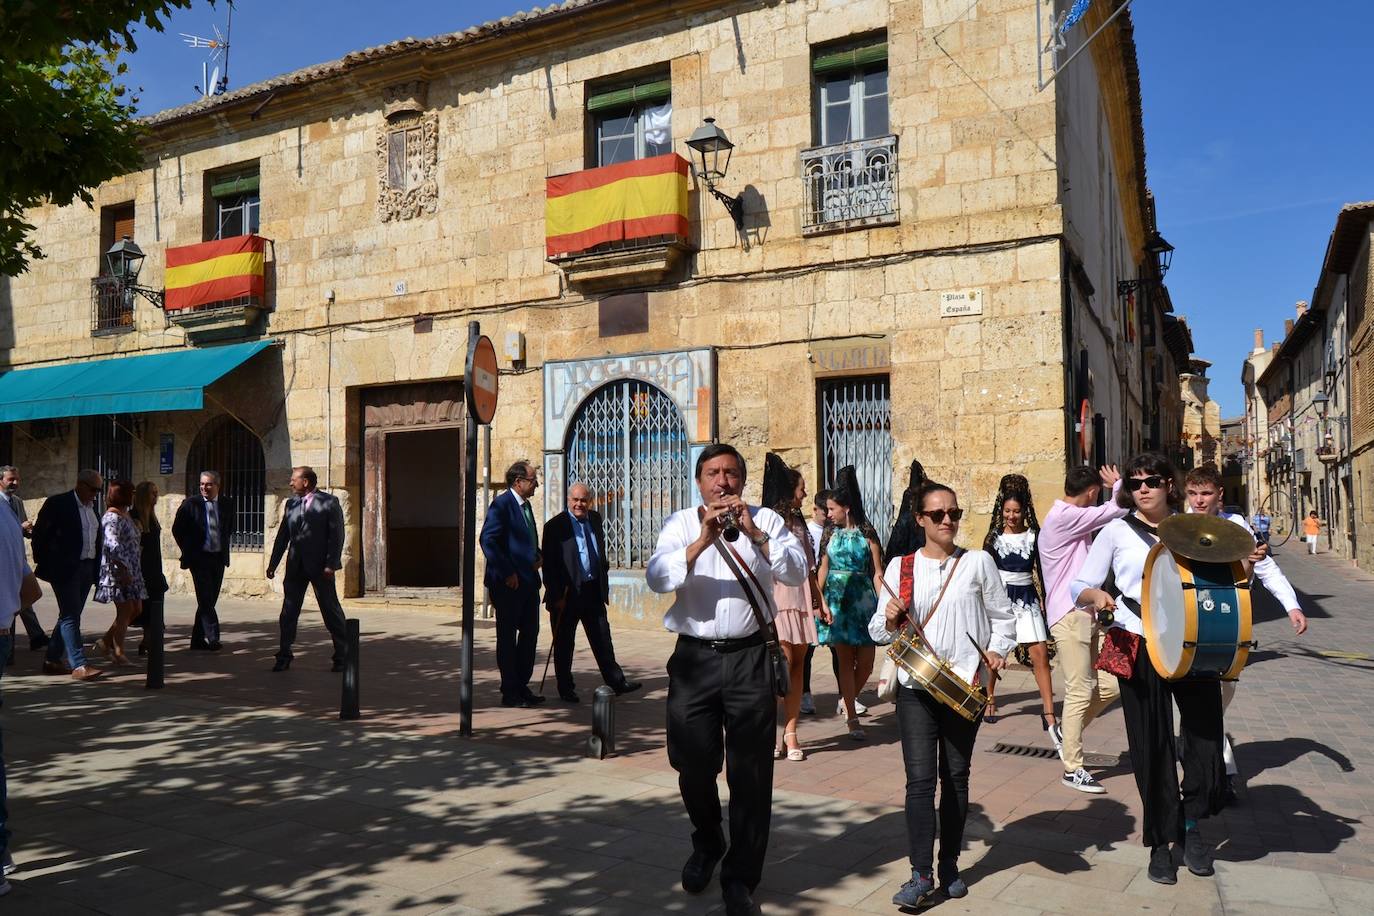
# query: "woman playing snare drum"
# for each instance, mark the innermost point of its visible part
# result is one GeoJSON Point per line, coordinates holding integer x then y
{"type": "Point", "coordinates": [935, 738]}
{"type": "Point", "coordinates": [1151, 487]}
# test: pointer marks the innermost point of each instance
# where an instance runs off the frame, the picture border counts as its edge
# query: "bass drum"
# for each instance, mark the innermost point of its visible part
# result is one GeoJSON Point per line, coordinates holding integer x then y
{"type": "Point", "coordinates": [1196, 616]}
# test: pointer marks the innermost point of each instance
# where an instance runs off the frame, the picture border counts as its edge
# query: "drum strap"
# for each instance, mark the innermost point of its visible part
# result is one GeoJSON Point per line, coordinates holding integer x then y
{"type": "Point", "coordinates": [907, 586]}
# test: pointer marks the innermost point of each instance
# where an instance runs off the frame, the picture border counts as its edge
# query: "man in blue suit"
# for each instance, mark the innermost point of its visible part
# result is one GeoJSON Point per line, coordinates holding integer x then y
{"type": "Point", "coordinates": [510, 543]}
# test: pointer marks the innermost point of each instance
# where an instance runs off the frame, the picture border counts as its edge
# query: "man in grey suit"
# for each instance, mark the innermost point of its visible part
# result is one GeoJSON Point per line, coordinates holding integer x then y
{"type": "Point", "coordinates": [9, 491]}
{"type": "Point", "coordinates": [313, 527]}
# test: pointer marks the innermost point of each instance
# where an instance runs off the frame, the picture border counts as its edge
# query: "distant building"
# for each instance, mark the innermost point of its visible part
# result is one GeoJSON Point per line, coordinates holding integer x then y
{"type": "Point", "coordinates": [1201, 417]}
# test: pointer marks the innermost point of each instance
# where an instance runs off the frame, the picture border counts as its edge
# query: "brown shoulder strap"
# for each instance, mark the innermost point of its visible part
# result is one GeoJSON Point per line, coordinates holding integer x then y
{"type": "Point", "coordinates": [958, 557]}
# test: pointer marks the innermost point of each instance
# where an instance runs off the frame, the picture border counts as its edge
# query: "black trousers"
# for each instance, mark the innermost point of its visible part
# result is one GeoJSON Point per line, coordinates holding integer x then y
{"type": "Point", "coordinates": [207, 573]}
{"type": "Point", "coordinates": [936, 740]}
{"type": "Point", "coordinates": [32, 627]}
{"type": "Point", "coordinates": [721, 707]}
{"type": "Point", "coordinates": [585, 608]}
{"type": "Point", "coordinates": [1147, 704]}
{"type": "Point", "coordinates": [517, 635]}
{"type": "Point", "coordinates": [326, 596]}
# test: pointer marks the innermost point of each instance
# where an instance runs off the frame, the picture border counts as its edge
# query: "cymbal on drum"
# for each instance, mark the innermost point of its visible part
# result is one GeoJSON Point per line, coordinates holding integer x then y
{"type": "Point", "coordinates": [1206, 538]}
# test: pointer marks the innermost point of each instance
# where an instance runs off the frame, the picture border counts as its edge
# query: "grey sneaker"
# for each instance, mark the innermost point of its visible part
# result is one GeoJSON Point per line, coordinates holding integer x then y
{"type": "Point", "coordinates": [1195, 854]}
{"type": "Point", "coordinates": [1083, 781]}
{"type": "Point", "coordinates": [7, 864]}
{"type": "Point", "coordinates": [914, 891]}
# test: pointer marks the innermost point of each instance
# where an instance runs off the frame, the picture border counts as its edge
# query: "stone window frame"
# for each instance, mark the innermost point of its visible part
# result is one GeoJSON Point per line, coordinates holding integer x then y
{"type": "Point", "coordinates": [405, 116]}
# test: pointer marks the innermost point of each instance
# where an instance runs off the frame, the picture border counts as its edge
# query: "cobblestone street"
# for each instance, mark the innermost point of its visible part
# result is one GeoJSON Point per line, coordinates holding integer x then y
{"type": "Point", "coordinates": [236, 790]}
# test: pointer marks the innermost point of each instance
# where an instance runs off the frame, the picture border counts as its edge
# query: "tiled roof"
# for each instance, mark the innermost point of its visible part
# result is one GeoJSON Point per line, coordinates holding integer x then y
{"type": "Point", "coordinates": [368, 56]}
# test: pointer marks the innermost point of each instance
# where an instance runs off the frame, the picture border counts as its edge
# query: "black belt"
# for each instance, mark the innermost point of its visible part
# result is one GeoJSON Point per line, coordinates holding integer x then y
{"type": "Point", "coordinates": [726, 645]}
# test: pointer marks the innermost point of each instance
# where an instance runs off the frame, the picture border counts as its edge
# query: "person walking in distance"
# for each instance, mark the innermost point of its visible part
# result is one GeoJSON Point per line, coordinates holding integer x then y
{"type": "Point", "coordinates": [510, 543]}
{"type": "Point", "coordinates": [720, 683]}
{"type": "Point", "coordinates": [1311, 531]}
{"type": "Point", "coordinates": [9, 489]}
{"type": "Point", "coordinates": [577, 589]}
{"type": "Point", "coordinates": [203, 529]}
{"type": "Point", "coordinates": [1065, 537]}
{"type": "Point", "coordinates": [66, 555]}
{"type": "Point", "coordinates": [311, 537]}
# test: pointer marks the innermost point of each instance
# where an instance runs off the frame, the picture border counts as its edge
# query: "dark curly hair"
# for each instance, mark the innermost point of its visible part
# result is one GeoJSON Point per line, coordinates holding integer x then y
{"type": "Point", "coordinates": [1013, 486]}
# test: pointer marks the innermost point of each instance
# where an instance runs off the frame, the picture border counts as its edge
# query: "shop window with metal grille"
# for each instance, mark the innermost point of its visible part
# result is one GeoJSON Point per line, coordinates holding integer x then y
{"type": "Point", "coordinates": [106, 443]}
{"type": "Point", "coordinates": [628, 445]}
{"type": "Point", "coordinates": [855, 427]}
{"type": "Point", "coordinates": [234, 451]}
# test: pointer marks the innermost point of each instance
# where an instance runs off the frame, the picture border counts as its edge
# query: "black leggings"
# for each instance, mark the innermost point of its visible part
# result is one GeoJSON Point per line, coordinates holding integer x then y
{"type": "Point", "coordinates": [935, 739]}
{"type": "Point", "coordinates": [1147, 702]}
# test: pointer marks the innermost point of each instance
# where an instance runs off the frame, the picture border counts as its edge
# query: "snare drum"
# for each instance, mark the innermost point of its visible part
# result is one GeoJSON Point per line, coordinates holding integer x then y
{"type": "Point", "coordinates": [1196, 616]}
{"type": "Point", "coordinates": [917, 659]}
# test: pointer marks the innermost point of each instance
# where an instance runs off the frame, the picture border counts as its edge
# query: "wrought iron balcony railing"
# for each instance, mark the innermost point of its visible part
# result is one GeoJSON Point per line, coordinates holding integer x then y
{"type": "Point", "coordinates": [849, 185]}
{"type": "Point", "coordinates": [112, 306]}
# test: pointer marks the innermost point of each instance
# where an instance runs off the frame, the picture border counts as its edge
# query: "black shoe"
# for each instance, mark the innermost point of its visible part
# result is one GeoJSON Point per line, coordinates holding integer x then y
{"type": "Point", "coordinates": [1162, 869]}
{"type": "Point", "coordinates": [215, 646]}
{"type": "Point", "coordinates": [38, 642]}
{"type": "Point", "coordinates": [627, 687]}
{"type": "Point", "coordinates": [737, 900]}
{"type": "Point", "coordinates": [282, 664]}
{"type": "Point", "coordinates": [1195, 854]}
{"type": "Point", "coordinates": [569, 696]}
{"type": "Point", "coordinates": [696, 874]}
{"type": "Point", "coordinates": [512, 702]}
{"type": "Point", "coordinates": [531, 698]}
{"type": "Point", "coordinates": [336, 667]}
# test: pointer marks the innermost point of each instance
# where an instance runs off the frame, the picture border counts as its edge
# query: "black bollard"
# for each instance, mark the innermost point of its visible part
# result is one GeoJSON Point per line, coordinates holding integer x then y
{"type": "Point", "coordinates": [348, 706]}
{"type": "Point", "coordinates": [155, 638]}
{"type": "Point", "coordinates": [602, 742]}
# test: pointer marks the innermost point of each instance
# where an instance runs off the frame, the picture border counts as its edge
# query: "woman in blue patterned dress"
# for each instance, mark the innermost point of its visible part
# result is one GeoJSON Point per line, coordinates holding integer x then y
{"type": "Point", "coordinates": [850, 559]}
{"type": "Point", "coordinates": [121, 569]}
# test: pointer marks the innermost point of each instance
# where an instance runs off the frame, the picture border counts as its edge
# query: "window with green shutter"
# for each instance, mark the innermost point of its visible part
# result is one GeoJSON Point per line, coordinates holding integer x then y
{"type": "Point", "coordinates": [631, 119]}
{"type": "Point", "coordinates": [851, 91]}
{"type": "Point", "coordinates": [233, 202]}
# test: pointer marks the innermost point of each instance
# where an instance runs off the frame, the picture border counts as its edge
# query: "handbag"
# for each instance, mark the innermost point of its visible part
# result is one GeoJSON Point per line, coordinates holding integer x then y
{"type": "Point", "coordinates": [1119, 650]}
{"type": "Point", "coordinates": [780, 675]}
{"type": "Point", "coordinates": [887, 677]}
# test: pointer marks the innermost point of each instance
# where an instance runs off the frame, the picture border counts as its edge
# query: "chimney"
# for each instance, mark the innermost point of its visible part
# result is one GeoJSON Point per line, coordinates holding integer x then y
{"type": "Point", "coordinates": [1288, 327]}
{"type": "Point", "coordinates": [1301, 308]}
{"type": "Point", "coordinates": [1259, 339]}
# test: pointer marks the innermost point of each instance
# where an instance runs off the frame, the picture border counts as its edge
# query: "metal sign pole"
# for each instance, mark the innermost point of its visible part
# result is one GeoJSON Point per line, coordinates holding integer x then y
{"type": "Point", "coordinates": [469, 551]}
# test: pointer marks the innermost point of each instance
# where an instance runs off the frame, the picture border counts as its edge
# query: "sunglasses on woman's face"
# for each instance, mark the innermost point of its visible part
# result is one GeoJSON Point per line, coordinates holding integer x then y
{"type": "Point", "coordinates": [938, 515]}
{"type": "Point", "coordinates": [1154, 482]}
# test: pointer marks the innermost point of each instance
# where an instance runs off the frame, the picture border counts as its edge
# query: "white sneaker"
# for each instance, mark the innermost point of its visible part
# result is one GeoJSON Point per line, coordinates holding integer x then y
{"type": "Point", "coordinates": [808, 707]}
{"type": "Point", "coordinates": [1083, 781]}
{"type": "Point", "coordinates": [7, 864]}
{"type": "Point", "coordinates": [1056, 732]}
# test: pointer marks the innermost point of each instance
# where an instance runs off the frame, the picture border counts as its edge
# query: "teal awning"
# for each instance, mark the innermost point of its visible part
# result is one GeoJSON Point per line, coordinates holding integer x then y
{"type": "Point", "coordinates": [130, 384]}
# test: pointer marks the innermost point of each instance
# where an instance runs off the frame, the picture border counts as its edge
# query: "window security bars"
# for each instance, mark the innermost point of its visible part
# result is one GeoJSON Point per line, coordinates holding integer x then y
{"type": "Point", "coordinates": [229, 447]}
{"type": "Point", "coordinates": [628, 444]}
{"type": "Point", "coordinates": [112, 306]}
{"type": "Point", "coordinates": [856, 428]}
{"type": "Point", "coordinates": [849, 185]}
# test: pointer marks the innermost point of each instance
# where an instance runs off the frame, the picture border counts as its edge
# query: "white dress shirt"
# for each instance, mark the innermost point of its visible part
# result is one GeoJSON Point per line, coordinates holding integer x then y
{"type": "Point", "coordinates": [816, 532]}
{"type": "Point", "coordinates": [709, 601]}
{"type": "Point", "coordinates": [90, 528]}
{"type": "Point", "coordinates": [975, 604]}
{"type": "Point", "coordinates": [1121, 549]}
{"type": "Point", "coordinates": [1268, 572]}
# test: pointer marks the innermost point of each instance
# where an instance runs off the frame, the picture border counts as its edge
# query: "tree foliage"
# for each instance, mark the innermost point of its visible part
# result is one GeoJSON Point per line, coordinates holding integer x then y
{"type": "Point", "coordinates": [68, 124]}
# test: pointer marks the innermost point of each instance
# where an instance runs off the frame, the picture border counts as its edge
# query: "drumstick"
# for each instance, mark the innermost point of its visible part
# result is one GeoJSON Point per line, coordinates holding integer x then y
{"type": "Point", "coordinates": [984, 656]}
{"type": "Point", "coordinates": [898, 598]}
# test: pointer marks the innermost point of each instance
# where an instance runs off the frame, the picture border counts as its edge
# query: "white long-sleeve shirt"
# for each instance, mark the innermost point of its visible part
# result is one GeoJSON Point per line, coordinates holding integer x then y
{"type": "Point", "coordinates": [710, 603]}
{"type": "Point", "coordinates": [1119, 549]}
{"type": "Point", "coordinates": [975, 604]}
{"type": "Point", "coordinates": [1268, 572]}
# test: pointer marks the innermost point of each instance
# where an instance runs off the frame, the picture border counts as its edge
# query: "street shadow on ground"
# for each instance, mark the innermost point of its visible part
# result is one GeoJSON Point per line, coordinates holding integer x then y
{"type": "Point", "coordinates": [1280, 818]}
{"type": "Point", "coordinates": [1042, 839]}
{"type": "Point", "coordinates": [1267, 755]}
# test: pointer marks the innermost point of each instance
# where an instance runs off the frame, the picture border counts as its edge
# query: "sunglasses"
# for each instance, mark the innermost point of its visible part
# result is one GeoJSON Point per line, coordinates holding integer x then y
{"type": "Point", "coordinates": [1154, 482]}
{"type": "Point", "coordinates": [938, 515]}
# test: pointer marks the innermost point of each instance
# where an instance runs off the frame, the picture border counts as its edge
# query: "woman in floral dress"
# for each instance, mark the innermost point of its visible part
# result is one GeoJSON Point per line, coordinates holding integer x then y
{"type": "Point", "coordinates": [850, 559]}
{"type": "Point", "coordinates": [121, 569]}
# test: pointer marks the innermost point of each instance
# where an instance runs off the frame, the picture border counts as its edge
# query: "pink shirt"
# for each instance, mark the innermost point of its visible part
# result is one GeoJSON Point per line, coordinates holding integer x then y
{"type": "Point", "coordinates": [1065, 536]}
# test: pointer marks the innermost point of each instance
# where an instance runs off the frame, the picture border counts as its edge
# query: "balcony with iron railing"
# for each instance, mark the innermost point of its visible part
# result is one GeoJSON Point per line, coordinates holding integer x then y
{"type": "Point", "coordinates": [850, 185]}
{"type": "Point", "coordinates": [112, 307]}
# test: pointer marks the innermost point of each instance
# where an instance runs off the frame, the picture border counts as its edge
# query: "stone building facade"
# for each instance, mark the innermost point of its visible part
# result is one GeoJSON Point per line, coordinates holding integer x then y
{"type": "Point", "coordinates": [926, 267]}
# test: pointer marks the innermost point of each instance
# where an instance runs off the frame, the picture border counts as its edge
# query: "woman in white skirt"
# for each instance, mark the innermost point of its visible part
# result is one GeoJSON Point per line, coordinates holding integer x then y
{"type": "Point", "coordinates": [1011, 542]}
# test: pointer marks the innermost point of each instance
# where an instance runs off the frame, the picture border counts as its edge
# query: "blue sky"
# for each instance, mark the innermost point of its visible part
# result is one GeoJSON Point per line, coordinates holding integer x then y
{"type": "Point", "coordinates": [1254, 135]}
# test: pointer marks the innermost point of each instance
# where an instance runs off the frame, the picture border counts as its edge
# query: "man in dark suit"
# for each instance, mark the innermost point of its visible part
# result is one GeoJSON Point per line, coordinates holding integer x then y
{"type": "Point", "coordinates": [510, 543]}
{"type": "Point", "coordinates": [203, 528]}
{"type": "Point", "coordinates": [576, 589]}
{"type": "Point", "coordinates": [66, 554]}
{"type": "Point", "coordinates": [313, 527]}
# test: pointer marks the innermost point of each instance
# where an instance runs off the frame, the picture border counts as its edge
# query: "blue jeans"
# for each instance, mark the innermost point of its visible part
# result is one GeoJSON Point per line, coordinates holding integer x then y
{"type": "Point", "coordinates": [71, 594]}
{"type": "Point", "coordinates": [5, 640]}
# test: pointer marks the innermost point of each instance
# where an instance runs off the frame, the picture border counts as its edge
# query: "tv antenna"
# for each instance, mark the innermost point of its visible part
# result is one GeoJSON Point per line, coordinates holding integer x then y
{"type": "Point", "coordinates": [211, 82]}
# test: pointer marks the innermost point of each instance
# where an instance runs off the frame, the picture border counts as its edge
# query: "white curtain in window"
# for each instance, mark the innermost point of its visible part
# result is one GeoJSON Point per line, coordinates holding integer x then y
{"type": "Point", "coordinates": [658, 124]}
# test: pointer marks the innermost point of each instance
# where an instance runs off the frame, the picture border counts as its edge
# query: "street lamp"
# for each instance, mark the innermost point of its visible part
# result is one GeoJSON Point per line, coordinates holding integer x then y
{"type": "Point", "coordinates": [1163, 254]}
{"type": "Point", "coordinates": [707, 143]}
{"type": "Point", "coordinates": [125, 260]}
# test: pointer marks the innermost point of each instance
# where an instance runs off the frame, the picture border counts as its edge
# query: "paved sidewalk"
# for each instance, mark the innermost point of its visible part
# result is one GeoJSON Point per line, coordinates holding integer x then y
{"type": "Point", "coordinates": [236, 790]}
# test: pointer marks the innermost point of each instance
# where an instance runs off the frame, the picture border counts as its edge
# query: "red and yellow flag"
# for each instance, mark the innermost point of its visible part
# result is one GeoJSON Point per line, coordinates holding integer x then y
{"type": "Point", "coordinates": [216, 271]}
{"type": "Point", "coordinates": [629, 200]}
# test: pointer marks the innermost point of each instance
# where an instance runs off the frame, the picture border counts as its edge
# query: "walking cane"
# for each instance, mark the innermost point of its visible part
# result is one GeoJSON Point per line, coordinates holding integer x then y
{"type": "Point", "coordinates": [557, 625]}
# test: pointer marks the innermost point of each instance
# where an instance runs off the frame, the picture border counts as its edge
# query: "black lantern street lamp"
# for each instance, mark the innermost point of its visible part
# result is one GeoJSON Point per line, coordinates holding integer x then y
{"type": "Point", "coordinates": [708, 142]}
{"type": "Point", "coordinates": [1162, 251]}
{"type": "Point", "coordinates": [125, 260]}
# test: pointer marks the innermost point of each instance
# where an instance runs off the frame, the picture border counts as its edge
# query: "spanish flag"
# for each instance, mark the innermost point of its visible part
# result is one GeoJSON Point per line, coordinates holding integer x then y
{"type": "Point", "coordinates": [629, 200]}
{"type": "Point", "coordinates": [217, 271]}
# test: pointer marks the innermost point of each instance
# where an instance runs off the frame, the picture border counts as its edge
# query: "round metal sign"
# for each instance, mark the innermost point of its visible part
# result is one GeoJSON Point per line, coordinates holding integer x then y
{"type": "Point", "coordinates": [480, 382]}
